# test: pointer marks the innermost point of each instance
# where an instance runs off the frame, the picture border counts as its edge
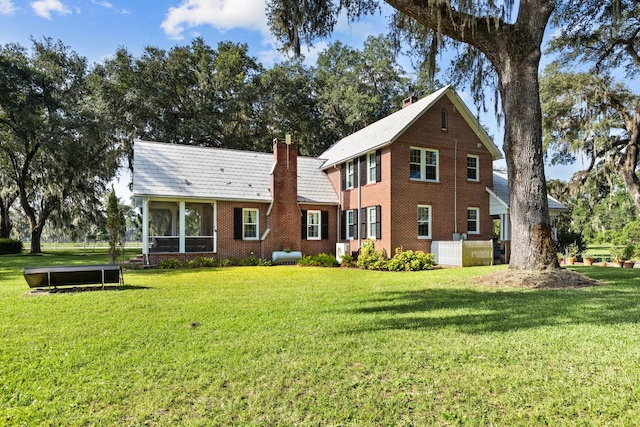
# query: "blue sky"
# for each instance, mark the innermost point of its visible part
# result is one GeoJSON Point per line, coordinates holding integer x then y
{"type": "Point", "coordinates": [96, 28]}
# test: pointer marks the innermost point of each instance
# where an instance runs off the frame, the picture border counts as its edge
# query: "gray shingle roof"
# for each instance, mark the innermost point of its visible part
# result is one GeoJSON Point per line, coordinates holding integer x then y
{"type": "Point", "coordinates": [385, 131]}
{"type": "Point", "coordinates": [182, 171]}
{"type": "Point", "coordinates": [501, 190]}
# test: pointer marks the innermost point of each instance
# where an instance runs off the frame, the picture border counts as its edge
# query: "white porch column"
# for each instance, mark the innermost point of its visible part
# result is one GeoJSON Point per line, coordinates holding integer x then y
{"type": "Point", "coordinates": [505, 227]}
{"type": "Point", "coordinates": [182, 227]}
{"type": "Point", "coordinates": [145, 226]}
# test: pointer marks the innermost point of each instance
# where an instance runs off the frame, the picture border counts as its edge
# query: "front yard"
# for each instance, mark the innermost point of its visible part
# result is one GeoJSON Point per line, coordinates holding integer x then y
{"type": "Point", "coordinates": [311, 346]}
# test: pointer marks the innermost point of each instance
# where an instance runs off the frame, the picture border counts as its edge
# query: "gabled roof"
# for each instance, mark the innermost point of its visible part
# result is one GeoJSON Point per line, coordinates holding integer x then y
{"type": "Point", "coordinates": [500, 192]}
{"type": "Point", "coordinates": [183, 171]}
{"type": "Point", "coordinates": [387, 130]}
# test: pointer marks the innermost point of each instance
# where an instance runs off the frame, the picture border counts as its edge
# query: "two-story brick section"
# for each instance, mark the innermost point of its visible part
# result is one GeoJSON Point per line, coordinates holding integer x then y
{"type": "Point", "coordinates": [423, 173]}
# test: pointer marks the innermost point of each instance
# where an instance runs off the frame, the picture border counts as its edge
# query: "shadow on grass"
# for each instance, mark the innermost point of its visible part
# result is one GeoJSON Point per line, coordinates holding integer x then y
{"type": "Point", "coordinates": [481, 310]}
{"type": "Point", "coordinates": [87, 288]}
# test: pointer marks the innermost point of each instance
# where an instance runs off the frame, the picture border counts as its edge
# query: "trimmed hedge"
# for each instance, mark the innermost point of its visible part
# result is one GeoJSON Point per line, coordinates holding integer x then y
{"type": "Point", "coordinates": [10, 246]}
{"type": "Point", "coordinates": [320, 260]}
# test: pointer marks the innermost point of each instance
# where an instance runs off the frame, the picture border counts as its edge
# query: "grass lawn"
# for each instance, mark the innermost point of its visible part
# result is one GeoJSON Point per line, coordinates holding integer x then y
{"type": "Point", "coordinates": [309, 346]}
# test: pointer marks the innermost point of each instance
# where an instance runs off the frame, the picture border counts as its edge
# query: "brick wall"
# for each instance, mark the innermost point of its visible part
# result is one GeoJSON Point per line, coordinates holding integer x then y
{"type": "Point", "coordinates": [407, 194]}
{"type": "Point", "coordinates": [399, 196]}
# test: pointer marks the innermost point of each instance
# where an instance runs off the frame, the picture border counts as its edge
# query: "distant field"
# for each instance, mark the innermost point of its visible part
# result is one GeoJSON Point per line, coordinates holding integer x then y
{"type": "Point", "coordinates": [309, 346]}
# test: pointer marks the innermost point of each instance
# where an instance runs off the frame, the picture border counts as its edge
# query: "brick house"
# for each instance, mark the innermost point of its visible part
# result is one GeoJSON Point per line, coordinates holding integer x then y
{"type": "Point", "coordinates": [423, 173]}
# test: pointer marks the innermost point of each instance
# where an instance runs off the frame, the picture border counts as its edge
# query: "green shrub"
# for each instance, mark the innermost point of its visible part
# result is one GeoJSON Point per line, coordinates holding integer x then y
{"type": "Point", "coordinates": [250, 261]}
{"type": "Point", "coordinates": [410, 261]}
{"type": "Point", "coordinates": [10, 246]}
{"type": "Point", "coordinates": [229, 262]}
{"type": "Point", "coordinates": [348, 261]}
{"type": "Point", "coordinates": [320, 260]}
{"type": "Point", "coordinates": [190, 263]}
{"type": "Point", "coordinates": [169, 263]}
{"type": "Point", "coordinates": [622, 253]}
{"type": "Point", "coordinates": [204, 261]}
{"type": "Point", "coordinates": [370, 258]}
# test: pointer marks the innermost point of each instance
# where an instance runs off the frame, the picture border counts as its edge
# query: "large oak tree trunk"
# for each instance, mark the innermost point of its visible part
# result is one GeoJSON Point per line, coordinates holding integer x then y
{"type": "Point", "coordinates": [5, 221]}
{"type": "Point", "coordinates": [532, 244]}
{"type": "Point", "coordinates": [629, 163]}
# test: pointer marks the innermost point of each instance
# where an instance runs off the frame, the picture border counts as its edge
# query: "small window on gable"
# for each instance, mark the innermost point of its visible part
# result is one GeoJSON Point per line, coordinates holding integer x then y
{"type": "Point", "coordinates": [473, 171]}
{"type": "Point", "coordinates": [445, 120]}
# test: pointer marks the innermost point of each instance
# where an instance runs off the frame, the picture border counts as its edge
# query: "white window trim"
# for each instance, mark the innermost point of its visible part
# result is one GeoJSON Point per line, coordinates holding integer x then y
{"type": "Point", "coordinates": [370, 235]}
{"type": "Point", "coordinates": [355, 229]}
{"type": "Point", "coordinates": [423, 164]}
{"type": "Point", "coordinates": [257, 223]}
{"type": "Point", "coordinates": [318, 225]}
{"type": "Point", "coordinates": [444, 119]}
{"type": "Point", "coordinates": [477, 168]}
{"type": "Point", "coordinates": [477, 210]}
{"type": "Point", "coordinates": [430, 221]}
{"type": "Point", "coordinates": [350, 175]}
{"type": "Point", "coordinates": [371, 167]}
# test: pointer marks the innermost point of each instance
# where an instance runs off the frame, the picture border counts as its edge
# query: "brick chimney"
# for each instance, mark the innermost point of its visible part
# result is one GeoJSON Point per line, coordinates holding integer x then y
{"type": "Point", "coordinates": [408, 101]}
{"type": "Point", "coordinates": [284, 217]}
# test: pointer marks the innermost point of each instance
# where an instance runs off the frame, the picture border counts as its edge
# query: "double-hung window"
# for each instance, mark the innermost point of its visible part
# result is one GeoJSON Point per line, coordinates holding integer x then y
{"type": "Point", "coordinates": [473, 163]}
{"type": "Point", "coordinates": [424, 222]}
{"type": "Point", "coordinates": [371, 167]}
{"type": "Point", "coordinates": [351, 224]}
{"type": "Point", "coordinates": [424, 165]}
{"type": "Point", "coordinates": [351, 173]}
{"type": "Point", "coordinates": [250, 224]}
{"type": "Point", "coordinates": [473, 220]}
{"type": "Point", "coordinates": [372, 219]}
{"type": "Point", "coordinates": [313, 225]}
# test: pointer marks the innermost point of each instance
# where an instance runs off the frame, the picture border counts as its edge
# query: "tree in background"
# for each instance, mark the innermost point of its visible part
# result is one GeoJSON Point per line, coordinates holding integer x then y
{"type": "Point", "coordinates": [188, 95]}
{"type": "Point", "coordinates": [115, 225]}
{"type": "Point", "coordinates": [595, 111]}
{"type": "Point", "coordinates": [358, 87]}
{"type": "Point", "coordinates": [290, 105]}
{"type": "Point", "coordinates": [55, 142]}
{"type": "Point", "coordinates": [492, 45]}
{"type": "Point", "coordinates": [8, 195]}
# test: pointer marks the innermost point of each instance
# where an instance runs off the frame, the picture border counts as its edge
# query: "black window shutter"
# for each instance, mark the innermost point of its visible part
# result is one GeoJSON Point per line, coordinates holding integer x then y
{"type": "Point", "coordinates": [378, 165]}
{"type": "Point", "coordinates": [303, 229]}
{"type": "Point", "coordinates": [363, 223]}
{"type": "Point", "coordinates": [343, 176]}
{"type": "Point", "coordinates": [343, 225]}
{"type": "Point", "coordinates": [237, 223]}
{"type": "Point", "coordinates": [324, 224]}
{"type": "Point", "coordinates": [378, 222]}
{"type": "Point", "coordinates": [363, 170]}
{"type": "Point", "coordinates": [355, 224]}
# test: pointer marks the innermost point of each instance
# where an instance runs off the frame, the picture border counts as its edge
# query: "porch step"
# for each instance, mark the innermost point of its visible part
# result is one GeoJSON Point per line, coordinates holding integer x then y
{"type": "Point", "coordinates": [137, 260]}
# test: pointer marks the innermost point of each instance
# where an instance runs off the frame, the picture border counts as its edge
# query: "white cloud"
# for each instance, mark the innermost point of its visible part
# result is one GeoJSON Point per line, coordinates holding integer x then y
{"type": "Point", "coordinates": [44, 8]}
{"type": "Point", "coordinates": [103, 4]}
{"type": "Point", "coordinates": [7, 7]}
{"type": "Point", "coordinates": [220, 14]}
